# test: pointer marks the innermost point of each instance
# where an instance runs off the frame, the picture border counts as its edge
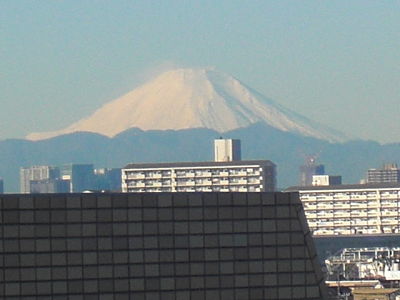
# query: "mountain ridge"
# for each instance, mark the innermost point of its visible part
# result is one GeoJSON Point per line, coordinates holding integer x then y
{"type": "Point", "coordinates": [259, 141]}
{"type": "Point", "coordinates": [193, 98]}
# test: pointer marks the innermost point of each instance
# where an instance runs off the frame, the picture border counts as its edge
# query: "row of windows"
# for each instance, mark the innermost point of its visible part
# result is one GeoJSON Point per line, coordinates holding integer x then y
{"type": "Point", "coordinates": [213, 188]}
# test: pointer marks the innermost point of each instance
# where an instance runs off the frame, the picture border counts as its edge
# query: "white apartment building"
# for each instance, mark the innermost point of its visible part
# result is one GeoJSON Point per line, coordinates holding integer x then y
{"type": "Point", "coordinates": [388, 173]}
{"type": "Point", "coordinates": [227, 173]}
{"type": "Point", "coordinates": [351, 209]}
{"type": "Point", "coordinates": [325, 180]}
{"type": "Point", "coordinates": [238, 176]}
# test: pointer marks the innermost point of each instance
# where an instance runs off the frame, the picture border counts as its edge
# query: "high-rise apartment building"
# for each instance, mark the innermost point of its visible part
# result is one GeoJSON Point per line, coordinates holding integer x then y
{"type": "Point", "coordinates": [221, 175]}
{"type": "Point", "coordinates": [351, 209]}
{"type": "Point", "coordinates": [36, 173]}
{"type": "Point", "coordinates": [388, 173]}
{"type": "Point", "coordinates": [238, 176]}
{"type": "Point", "coordinates": [197, 246]}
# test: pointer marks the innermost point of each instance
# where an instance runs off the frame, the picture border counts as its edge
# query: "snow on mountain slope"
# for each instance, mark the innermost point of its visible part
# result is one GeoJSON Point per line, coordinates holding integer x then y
{"type": "Point", "coordinates": [193, 98]}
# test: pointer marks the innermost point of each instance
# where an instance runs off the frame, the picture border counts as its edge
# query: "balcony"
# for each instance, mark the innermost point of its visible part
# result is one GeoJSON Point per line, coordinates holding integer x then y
{"type": "Point", "coordinates": [389, 213]}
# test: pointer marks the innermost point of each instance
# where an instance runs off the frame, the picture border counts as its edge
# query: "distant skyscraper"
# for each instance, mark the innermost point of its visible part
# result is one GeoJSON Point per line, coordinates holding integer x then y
{"type": "Point", "coordinates": [80, 176]}
{"type": "Point", "coordinates": [308, 170]}
{"type": "Point", "coordinates": [1, 186]}
{"type": "Point", "coordinates": [227, 150]}
{"type": "Point", "coordinates": [107, 179]}
{"type": "Point", "coordinates": [388, 173]}
{"type": "Point", "coordinates": [47, 186]}
{"type": "Point", "coordinates": [36, 173]}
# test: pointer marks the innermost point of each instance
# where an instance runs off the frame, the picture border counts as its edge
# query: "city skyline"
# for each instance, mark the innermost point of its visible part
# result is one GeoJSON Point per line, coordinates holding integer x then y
{"type": "Point", "coordinates": [334, 62]}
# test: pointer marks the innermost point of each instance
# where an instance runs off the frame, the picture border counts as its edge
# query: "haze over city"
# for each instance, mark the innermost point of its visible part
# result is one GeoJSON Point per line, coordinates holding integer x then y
{"type": "Point", "coordinates": [334, 62]}
{"type": "Point", "coordinates": [199, 150]}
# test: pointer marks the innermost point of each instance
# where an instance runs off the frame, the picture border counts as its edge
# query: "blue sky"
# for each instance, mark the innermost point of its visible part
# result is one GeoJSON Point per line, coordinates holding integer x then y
{"type": "Point", "coordinates": [336, 62]}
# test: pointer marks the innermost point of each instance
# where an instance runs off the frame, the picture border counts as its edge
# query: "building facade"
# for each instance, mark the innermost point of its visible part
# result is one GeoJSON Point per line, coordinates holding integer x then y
{"type": "Point", "coordinates": [231, 176]}
{"type": "Point", "coordinates": [47, 186]}
{"type": "Point", "coordinates": [36, 173]}
{"type": "Point", "coordinates": [351, 209]}
{"type": "Point", "coordinates": [308, 170]}
{"type": "Point", "coordinates": [325, 180]}
{"type": "Point", "coordinates": [376, 294]}
{"type": "Point", "coordinates": [107, 179]}
{"type": "Point", "coordinates": [80, 176]}
{"type": "Point", "coordinates": [227, 150]}
{"type": "Point", "coordinates": [388, 173]}
{"type": "Point", "coordinates": [198, 246]}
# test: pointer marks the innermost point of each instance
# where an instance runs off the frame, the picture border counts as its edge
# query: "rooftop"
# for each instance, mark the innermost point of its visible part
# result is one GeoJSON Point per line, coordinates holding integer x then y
{"type": "Point", "coordinates": [372, 291]}
{"type": "Point", "coordinates": [199, 164]}
{"type": "Point", "coordinates": [345, 187]}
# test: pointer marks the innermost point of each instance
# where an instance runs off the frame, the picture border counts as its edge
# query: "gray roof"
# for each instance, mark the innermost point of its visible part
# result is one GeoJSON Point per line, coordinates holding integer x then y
{"type": "Point", "coordinates": [344, 187]}
{"type": "Point", "coordinates": [263, 163]}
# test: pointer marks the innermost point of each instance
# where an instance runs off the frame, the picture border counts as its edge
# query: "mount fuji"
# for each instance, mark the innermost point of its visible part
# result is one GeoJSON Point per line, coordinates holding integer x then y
{"type": "Point", "coordinates": [193, 98]}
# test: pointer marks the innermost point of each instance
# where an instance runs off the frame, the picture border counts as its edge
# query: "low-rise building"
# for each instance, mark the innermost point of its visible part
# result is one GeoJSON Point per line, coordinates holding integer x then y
{"type": "Point", "coordinates": [324, 180]}
{"type": "Point", "coordinates": [375, 294]}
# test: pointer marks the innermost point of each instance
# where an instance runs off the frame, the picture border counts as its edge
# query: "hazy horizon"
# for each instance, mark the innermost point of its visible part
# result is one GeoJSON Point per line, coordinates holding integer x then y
{"type": "Point", "coordinates": [334, 62]}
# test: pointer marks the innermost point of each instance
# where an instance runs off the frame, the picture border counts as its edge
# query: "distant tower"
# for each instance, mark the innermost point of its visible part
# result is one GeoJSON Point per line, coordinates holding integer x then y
{"type": "Point", "coordinates": [1, 186]}
{"type": "Point", "coordinates": [227, 150]}
{"type": "Point", "coordinates": [309, 169]}
{"type": "Point", "coordinates": [81, 177]}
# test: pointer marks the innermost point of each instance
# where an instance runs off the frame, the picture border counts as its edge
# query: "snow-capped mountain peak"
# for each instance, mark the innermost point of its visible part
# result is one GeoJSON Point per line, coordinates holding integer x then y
{"type": "Point", "coordinates": [192, 98]}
